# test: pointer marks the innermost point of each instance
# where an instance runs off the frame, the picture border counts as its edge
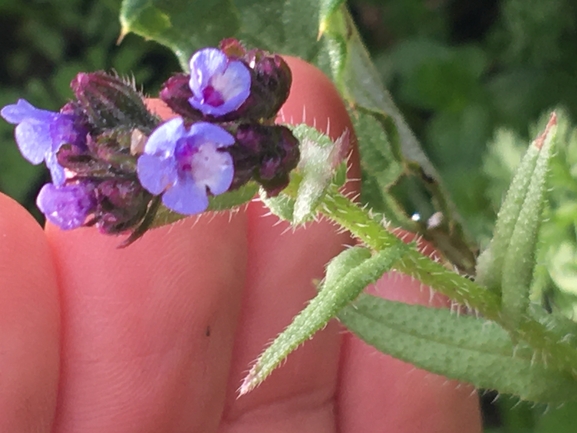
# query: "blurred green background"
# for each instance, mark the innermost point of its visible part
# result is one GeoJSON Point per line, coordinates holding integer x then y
{"type": "Point", "coordinates": [474, 79]}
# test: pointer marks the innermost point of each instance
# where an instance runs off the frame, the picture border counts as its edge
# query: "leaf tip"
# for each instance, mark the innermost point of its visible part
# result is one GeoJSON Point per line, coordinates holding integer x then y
{"type": "Point", "coordinates": [249, 383]}
{"type": "Point", "coordinates": [123, 32]}
{"type": "Point", "coordinates": [322, 29]}
{"type": "Point", "coordinates": [540, 140]}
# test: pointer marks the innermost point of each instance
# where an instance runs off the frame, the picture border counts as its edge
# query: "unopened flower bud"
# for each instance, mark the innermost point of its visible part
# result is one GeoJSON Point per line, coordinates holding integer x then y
{"type": "Point", "coordinates": [109, 101]}
{"type": "Point", "coordinates": [121, 205]}
{"type": "Point", "coordinates": [175, 93]}
{"type": "Point", "coordinates": [271, 82]}
{"type": "Point", "coordinates": [265, 153]}
{"type": "Point", "coordinates": [114, 147]}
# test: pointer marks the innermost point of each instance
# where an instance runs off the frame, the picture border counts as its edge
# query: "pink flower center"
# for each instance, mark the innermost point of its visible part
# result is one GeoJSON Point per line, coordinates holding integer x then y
{"type": "Point", "coordinates": [212, 96]}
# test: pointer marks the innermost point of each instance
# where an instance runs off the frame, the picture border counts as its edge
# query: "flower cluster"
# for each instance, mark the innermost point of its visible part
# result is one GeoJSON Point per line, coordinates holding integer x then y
{"type": "Point", "coordinates": [113, 162]}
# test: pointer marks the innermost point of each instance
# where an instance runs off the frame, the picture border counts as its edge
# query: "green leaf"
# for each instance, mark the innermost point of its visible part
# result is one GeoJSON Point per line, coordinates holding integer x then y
{"type": "Point", "coordinates": [382, 167]}
{"type": "Point", "coordinates": [347, 275]}
{"type": "Point", "coordinates": [182, 26]}
{"type": "Point", "coordinates": [282, 205]}
{"type": "Point", "coordinates": [185, 26]}
{"type": "Point", "coordinates": [360, 85]}
{"type": "Point", "coordinates": [459, 347]}
{"type": "Point", "coordinates": [507, 266]}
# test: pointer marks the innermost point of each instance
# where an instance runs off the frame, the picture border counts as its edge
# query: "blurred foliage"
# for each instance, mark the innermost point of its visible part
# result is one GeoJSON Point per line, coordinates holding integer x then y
{"type": "Point", "coordinates": [470, 78]}
{"type": "Point", "coordinates": [473, 79]}
{"type": "Point", "coordinates": [460, 69]}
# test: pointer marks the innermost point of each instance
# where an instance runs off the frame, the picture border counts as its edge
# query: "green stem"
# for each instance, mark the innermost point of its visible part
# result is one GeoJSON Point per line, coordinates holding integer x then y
{"type": "Point", "coordinates": [374, 234]}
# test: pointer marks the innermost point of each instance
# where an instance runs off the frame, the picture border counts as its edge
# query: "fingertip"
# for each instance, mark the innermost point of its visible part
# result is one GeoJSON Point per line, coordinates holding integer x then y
{"type": "Point", "coordinates": [29, 323]}
{"type": "Point", "coordinates": [148, 329]}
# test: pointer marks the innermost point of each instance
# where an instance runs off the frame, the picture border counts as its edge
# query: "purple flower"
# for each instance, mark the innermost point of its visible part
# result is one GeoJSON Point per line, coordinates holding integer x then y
{"type": "Point", "coordinates": [219, 85]}
{"type": "Point", "coordinates": [40, 133]}
{"type": "Point", "coordinates": [66, 206]}
{"type": "Point", "coordinates": [183, 164]}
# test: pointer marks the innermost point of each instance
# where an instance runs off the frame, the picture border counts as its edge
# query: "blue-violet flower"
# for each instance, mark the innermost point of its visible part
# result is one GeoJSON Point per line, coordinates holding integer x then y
{"type": "Point", "coordinates": [66, 206]}
{"type": "Point", "coordinates": [40, 133]}
{"type": "Point", "coordinates": [219, 85]}
{"type": "Point", "coordinates": [183, 164]}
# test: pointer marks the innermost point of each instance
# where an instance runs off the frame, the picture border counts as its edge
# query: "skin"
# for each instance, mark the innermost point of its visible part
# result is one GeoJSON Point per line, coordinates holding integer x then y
{"type": "Point", "coordinates": [158, 336]}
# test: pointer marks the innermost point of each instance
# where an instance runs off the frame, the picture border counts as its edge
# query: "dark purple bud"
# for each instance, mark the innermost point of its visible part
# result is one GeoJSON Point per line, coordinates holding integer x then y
{"type": "Point", "coordinates": [274, 171]}
{"type": "Point", "coordinates": [121, 205]}
{"type": "Point", "coordinates": [175, 93]}
{"type": "Point", "coordinates": [106, 154]}
{"type": "Point", "coordinates": [266, 154]}
{"type": "Point", "coordinates": [109, 101]}
{"type": "Point", "coordinates": [270, 85]}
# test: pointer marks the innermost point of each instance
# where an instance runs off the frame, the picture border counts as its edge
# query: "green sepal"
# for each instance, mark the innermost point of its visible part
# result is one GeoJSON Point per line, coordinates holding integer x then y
{"type": "Point", "coordinates": [282, 205]}
{"type": "Point", "coordinates": [223, 202]}
{"type": "Point", "coordinates": [460, 347]}
{"type": "Point", "coordinates": [322, 166]}
{"type": "Point", "coordinates": [347, 275]}
{"type": "Point", "coordinates": [321, 159]}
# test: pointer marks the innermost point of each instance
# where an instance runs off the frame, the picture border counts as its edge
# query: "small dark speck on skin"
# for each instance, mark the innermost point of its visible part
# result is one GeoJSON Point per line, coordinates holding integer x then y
{"type": "Point", "coordinates": [207, 332]}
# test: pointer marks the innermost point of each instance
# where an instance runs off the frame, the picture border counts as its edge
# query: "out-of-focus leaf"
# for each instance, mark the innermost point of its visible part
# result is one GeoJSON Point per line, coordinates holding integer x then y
{"type": "Point", "coordinates": [280, 26]}
{"type": "Point", "coordinates": [360, 85]}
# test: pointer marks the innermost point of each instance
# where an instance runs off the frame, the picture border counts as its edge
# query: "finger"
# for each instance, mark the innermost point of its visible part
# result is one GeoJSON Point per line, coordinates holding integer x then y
{"type": "Point", "coordinates": [29, 322]}
{"type": "Point", "coordinates": [282, 265]}
{"type": "Point", "coordinates": [376, 389]}
{"type": "Point", "coordinates": [148, 330]}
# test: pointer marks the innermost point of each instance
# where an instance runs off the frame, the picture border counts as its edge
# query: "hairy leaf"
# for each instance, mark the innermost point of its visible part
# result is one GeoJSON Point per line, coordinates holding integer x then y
{"type": "Point", "coordinates": [459, 347]}
{"type": "Point", "coordinates": [347, 275]}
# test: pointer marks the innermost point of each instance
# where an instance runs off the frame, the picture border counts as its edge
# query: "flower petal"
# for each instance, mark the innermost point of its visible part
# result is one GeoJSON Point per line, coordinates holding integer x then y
{"type": "Point", "coordinates": [22, 110]}
{"type": "Point", "coordinates": [219, 85]}
{"type": "Point", "coordinates": [56, 170]}
{"type": "Point", "coordinates": [63, 130]}
{"type": "Point", "coordinates": [66, 206]}
{"type": "Point", "coordinates": [207, 132]}
{"type": "Point", "coordinates": [156, 174]}
{"type": "Point", "coordinates": [187, 198]}
{"type": "Point", "coordinates": [233, 85]}
{"type": "Point", "coordinates": [163, 139]}
{"type": "Point", "coordinates": [212, 168]}
{"type": "Point", "coordinates": [204, 64]}
{"type": "Point", "coordinates": [33, 139]}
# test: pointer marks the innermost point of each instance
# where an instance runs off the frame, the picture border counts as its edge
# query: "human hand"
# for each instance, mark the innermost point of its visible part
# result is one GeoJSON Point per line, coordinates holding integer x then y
{"type": "Point", "coordinates": [158, 336]}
